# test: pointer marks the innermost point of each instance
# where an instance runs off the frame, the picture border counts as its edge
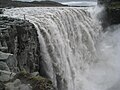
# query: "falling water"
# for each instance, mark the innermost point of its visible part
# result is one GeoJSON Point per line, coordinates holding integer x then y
{"type": "Point", "coordinates": [73, 55]}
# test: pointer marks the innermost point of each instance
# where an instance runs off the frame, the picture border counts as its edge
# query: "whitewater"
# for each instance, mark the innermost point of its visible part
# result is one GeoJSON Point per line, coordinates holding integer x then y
{"type": "Point", "coordinates": [76, 54]}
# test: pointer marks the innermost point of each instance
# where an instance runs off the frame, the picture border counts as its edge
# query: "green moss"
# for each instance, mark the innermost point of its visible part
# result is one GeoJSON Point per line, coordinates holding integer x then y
{"type": "Point", "coordinates": [40, 83]}
{"type": "Point", "coordinates": [37, 82]}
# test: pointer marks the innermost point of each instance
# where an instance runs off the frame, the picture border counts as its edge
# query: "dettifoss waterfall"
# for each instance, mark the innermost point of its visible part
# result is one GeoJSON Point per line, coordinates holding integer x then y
{"type": "Point", "coordinates": [76, 54]}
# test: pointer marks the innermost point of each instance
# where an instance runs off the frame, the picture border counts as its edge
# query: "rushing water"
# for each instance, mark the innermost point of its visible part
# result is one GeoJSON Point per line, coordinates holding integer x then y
{"type": "Point", "coordinates": [75, 56]}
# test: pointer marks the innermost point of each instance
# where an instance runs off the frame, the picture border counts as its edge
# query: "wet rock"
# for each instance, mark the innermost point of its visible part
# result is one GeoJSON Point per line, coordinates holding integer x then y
{"type": "Point", "coordinates": [4, 66]}
{"type": "Point", "coordinates": [3, 49]}
{"type": "Point", "coordinates": [19, 38]}
{"type": "Point", "coordinates": [35, 74]}
{"type": "Point", "coordinates": [12, 63]}
{"type": "Point", "coordinates": [17, 82]}
{"type": "Point", "coordinates": [4, 56]}
{"type": "Point", "coordinates": [10, 86]}
{"type": "Point", "coordinates": [17, 85]}
{"type": "Point", "coordinates": [2, 86]}
{"type": "Point", "coordinates": [25, 87]}
{"type": "Point", "coordinates": [26, 81]}
{"type": "Point", "coordinates": [6, 75]}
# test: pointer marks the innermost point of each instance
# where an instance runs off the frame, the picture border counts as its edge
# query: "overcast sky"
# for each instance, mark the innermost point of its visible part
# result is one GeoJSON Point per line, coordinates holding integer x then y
{"type": "Point", "coordinates": [58, 0]}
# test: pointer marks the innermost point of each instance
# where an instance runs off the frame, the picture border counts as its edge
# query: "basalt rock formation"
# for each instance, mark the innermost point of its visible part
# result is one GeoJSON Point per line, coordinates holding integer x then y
{"type": "Point", "coordinates": [113, 11]}
{"type": "Point", "coordinates": [19, 39]}
{"type": "Point", "coordinates": [19, 52]}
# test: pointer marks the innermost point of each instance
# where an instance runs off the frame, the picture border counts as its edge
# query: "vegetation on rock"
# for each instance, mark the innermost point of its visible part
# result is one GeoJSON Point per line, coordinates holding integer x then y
{"type": "Point", "coordinates": [37, 82]}
{"type": "Point", "coordinates": [20, 51]}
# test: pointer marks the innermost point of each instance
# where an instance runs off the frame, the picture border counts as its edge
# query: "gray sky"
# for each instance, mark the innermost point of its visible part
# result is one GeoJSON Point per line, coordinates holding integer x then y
{"type": "Point", "coordinates": [57, 0]}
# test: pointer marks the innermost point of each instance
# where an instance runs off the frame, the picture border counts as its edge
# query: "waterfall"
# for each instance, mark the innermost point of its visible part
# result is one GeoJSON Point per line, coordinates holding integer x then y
{"type": "Point", "coordinates": [68, 39]}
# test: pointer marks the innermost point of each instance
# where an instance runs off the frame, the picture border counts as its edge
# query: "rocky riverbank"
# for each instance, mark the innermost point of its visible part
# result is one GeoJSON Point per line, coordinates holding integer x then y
{"type": "Point", "coordinates": [20, 56]}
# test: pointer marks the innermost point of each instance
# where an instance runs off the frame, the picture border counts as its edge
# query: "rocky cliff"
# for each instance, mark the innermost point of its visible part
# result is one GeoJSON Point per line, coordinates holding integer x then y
{"type": "Point", "coordinates": [113, 11]}
{"type": "Point", "coordinates": [19, 52]}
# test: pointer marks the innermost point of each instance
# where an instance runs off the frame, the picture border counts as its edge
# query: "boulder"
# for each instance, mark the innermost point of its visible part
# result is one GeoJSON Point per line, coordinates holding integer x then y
{"type": "Point", "coordinates": [25, 87]}
{"type": "Point", "coordinates": [10, 61]}
{"type": "Point", "coordinates": [4, 66]}
{"type": "Point", "coordinates": [1, 11]}
{"type": "Point", "coordinates": [35, 74]}
{"type": "Point", "coordinates": [2, 86]}
{"type": "Point", "coordinates": [6, 75]}
{"type": "Point", "coordinates": [112, 8]}
{"type": "Point", "coordinates": [4, 56]}
{"type": "Point", "coordinates": [17, 82]}
{"type": "Point", "coordinates": [17, 85]}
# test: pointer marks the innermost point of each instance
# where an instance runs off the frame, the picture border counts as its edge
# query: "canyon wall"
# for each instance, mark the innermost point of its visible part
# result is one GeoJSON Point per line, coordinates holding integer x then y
{"type": "Point", "coordinates": [112, 8]}
{"type": "Point", "coordinates": [19, 56]}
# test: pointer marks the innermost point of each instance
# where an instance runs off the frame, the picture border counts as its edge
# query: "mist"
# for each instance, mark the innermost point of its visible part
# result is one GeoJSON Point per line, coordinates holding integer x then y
{"type": "Point", "coordinates": [104, 73]}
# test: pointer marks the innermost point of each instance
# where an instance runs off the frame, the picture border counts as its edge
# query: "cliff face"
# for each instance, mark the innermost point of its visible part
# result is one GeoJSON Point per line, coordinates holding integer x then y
{"type": "Point", "coordinates": [112, 10]}
{"type": "Point", "coordinates": [19, 56]}
{"type": "Point", "coordinates": [19, 38]}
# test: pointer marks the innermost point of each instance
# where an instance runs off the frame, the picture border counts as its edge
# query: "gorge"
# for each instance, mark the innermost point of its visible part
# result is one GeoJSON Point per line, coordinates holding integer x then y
{"type": "Point", "coordinates": [65, 45]}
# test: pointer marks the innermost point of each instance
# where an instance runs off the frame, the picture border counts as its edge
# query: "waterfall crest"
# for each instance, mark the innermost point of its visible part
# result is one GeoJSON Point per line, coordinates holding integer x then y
{"type": "Point", "coordinates": [67, 38]}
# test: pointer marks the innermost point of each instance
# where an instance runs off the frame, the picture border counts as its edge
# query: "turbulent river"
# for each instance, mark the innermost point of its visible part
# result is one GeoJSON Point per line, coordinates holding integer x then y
{"type": "Point", "coordinates": [76, 54]}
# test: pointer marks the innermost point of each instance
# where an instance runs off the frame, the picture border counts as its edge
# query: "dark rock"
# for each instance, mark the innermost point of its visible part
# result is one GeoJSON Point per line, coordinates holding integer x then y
{"type": "Point", "coordinates": [20, 51]}
{"type": "Point", "coordinates": [1, 11]}
{"type": "Point", "coordinates": [37, 82]}
{"type": "Point", "coordinates": [4, 66]}
{"type": "Point", "coordinates": [9, 60]}
{"type": "Point", "coordinates": [19, 38]}
{"type": "Point", "coordinates": [4, 56]}
{"type": "Point", "coordinates": [35, 74]}
{"type": "Point", "coordinates": [6, 75]}
{"type": "Point", "coordinates": [113, 15]}
{"type": "Point", "coordinates": [25, 87]}
{"type": "Point", "coordinates": [112, 8]}
{"type": "Point", "coordinates": [17, 82]}
{"type": "Point", "coordinates": [2, 86]}
{"type": "Point", "coordinates": [17, 85]}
